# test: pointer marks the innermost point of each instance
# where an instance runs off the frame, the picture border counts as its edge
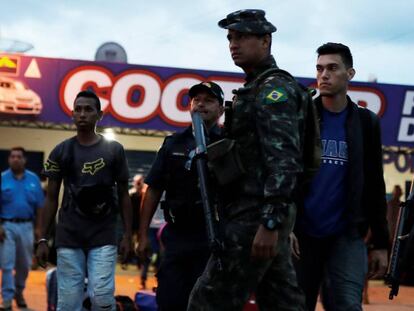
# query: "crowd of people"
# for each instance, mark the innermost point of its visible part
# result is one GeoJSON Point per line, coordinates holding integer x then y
{"type": "Point", "coordinates": [285, 239]}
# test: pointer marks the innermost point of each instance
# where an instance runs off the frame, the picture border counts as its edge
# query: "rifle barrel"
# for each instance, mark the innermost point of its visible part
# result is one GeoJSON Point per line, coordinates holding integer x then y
{"type": "Point", "coordinates": [201, 165]}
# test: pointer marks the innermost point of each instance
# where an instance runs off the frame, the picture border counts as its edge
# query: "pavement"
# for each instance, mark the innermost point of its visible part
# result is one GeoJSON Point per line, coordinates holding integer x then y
{"type": "Point", "coordinates": [378, 298]}
{"type": "Point", "coordinates": [127, 282]}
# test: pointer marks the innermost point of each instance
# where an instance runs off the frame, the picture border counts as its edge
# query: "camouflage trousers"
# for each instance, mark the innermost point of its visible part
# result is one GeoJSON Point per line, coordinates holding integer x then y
{"type": "Point", "coordinates": [272, 281]}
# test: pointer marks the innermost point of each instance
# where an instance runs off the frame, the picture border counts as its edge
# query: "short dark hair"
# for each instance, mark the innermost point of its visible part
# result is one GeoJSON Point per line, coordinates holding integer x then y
{"type": "Point", "coordinates": [90, 94]}
{"type": "Point", "coordinates": [18, 148]}
{"type": "Point", "coordinates": [337, 48]}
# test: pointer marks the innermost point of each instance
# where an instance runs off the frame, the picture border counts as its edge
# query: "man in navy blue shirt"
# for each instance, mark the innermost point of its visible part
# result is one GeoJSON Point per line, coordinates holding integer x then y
{"type": "Point", "coordinates": [346, 197]}
{"type": "Point", "coordinates": [21, 200]}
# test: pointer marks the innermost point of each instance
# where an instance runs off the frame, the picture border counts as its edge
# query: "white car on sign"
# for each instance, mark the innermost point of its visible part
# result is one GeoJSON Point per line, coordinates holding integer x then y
{"type": "Point", "coordinates": [17, 98]}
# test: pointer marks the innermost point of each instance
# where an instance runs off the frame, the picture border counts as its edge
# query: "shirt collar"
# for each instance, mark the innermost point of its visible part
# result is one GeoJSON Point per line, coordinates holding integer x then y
{"type": "Point", "coordinates": [10, 172]}
{"type": "Point", "coordinates": [215, 130]}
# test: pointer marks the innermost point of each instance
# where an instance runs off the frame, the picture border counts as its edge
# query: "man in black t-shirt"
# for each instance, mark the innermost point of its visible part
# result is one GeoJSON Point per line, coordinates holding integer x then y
{"type": "Point", "coordinates": [92, 169]}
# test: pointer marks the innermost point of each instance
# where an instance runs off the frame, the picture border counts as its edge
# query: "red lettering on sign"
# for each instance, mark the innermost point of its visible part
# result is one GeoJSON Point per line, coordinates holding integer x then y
{"type": "Point", "coordinates": [136, 96]}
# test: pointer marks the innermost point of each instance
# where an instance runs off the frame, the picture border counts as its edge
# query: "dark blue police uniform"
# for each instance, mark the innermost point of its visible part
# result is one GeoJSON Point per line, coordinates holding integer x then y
{"type": "Point", "coordinates": [184, 237]}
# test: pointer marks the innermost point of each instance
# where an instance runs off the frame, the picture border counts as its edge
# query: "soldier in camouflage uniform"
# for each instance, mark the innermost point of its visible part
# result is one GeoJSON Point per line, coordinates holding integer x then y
{"type": "Point", "coordinates": [267, 125]}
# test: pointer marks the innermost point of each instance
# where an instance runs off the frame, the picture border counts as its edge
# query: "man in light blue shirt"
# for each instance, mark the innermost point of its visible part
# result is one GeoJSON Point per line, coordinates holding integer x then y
{"type": "Point", "coordinates": [21, 200]}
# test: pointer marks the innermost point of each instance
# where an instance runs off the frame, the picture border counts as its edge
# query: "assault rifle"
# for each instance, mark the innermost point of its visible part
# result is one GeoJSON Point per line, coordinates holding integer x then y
{"type": "Point", "coordinates": [210, 210]}
{"type": "Point", "coordinates": [401, 243]}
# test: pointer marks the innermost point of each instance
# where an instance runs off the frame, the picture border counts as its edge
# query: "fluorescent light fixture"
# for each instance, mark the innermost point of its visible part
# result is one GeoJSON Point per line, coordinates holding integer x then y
{"type": "Point", "coordinates": [109, 134]}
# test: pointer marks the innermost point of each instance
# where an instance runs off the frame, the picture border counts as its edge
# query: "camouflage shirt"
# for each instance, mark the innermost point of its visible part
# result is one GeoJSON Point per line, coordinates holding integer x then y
{"type": "Point", "coordinates": [268, 117]}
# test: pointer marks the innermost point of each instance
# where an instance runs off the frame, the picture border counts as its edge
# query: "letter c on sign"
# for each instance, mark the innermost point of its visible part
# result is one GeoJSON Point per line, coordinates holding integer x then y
{"type": "Point", "coordinates": [171, 107]}
{"type": "Point", "coordinates": [75, 81]}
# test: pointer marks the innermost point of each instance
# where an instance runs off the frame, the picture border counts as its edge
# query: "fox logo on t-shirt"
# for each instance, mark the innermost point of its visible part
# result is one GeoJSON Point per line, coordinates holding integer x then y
{"type": "Point", "coordinates": [93, 167]}
{"type": "Point", "coordinates": [51, 166]}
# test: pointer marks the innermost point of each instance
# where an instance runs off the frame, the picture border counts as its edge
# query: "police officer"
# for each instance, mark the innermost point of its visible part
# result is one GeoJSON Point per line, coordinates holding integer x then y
{"type": "Point", "coordinates": [184, 238]}
{"type": "Point", "coordinates": [267, 126]}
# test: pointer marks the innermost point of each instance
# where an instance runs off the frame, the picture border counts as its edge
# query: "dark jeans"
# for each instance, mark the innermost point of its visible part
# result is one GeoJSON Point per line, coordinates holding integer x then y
{"type": "Point", "coordinates": [185, 257]}
{"type": "Point", "coordinates": [338, 264]}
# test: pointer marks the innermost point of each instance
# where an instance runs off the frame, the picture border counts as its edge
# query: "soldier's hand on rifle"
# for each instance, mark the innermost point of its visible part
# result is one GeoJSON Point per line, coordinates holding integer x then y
{"type": "Point", "coordinates": [2, 234]}
{"type": "Point", "coordinates": [378, 261]}
{"type": "Point", "coordinates": [294, 245]}
{"type": "Point", "coordinates": [264, 243]}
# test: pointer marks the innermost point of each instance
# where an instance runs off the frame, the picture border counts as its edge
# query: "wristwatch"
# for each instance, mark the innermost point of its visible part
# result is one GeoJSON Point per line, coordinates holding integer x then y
{"type": "Point", "coordinates": [272, 218]}
{"type": "Point", "coordinates": [272, 222]}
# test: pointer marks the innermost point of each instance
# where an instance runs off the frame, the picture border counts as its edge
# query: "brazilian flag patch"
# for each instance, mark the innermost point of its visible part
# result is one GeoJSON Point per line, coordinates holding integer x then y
{"type": "Point", "coordinates": [277, 95]}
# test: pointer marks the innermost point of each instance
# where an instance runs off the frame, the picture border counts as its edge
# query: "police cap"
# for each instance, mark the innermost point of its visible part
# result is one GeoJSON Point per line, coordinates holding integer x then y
{"type": "Point", "coordinates": [248, 21]}
{"type": "Point", "coordinates": [210, 87]}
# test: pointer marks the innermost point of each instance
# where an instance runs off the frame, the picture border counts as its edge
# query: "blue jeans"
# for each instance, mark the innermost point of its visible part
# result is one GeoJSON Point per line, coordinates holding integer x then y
{"type": "Point", "coordinates": [72, 264]}
{"type": "Point", "coordinates": [16, 253]}
{"type": "Point", "coordinates": [338, 264]}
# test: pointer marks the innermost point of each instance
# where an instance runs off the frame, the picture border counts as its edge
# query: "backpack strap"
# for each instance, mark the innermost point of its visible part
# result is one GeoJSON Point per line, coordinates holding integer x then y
{"type": "Point", "coordinates": [68, 155]}
{"type": "Point", "coordinates": [277, 71]}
